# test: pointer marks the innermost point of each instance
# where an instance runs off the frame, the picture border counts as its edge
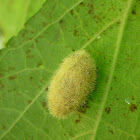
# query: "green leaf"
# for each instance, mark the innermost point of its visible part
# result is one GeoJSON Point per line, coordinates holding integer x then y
{"type": "Point", "coordinates": [14, 14]}
{"type": "Point", "coordinates": [109, 31]}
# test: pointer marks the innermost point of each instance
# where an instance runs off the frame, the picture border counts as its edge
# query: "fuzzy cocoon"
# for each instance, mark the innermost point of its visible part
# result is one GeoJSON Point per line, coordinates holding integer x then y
{"type": "Point", "coordinates": [71, 85]}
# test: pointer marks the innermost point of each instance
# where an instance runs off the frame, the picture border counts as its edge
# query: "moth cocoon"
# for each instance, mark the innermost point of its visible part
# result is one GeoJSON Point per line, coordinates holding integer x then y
{"type": "Point", "coordinates": [71, 85]}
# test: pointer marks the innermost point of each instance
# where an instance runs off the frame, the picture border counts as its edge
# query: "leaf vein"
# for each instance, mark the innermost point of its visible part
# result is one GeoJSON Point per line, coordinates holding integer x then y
{"type": "Point", "coordinates": [65, 13]}
{"type": "Point", "coordinates": [116, 52]}
{"type": "Point", "coordinates": [25, 110]}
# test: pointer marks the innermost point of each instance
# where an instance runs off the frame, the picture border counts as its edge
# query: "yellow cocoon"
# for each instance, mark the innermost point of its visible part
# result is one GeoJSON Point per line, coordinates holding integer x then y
{"type": "Point", "coordinates": [71, 84]}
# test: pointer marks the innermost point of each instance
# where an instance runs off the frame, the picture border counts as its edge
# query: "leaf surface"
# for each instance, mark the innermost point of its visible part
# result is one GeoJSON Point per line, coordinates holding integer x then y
{"type": "Point", "coordinates": [109, 31]}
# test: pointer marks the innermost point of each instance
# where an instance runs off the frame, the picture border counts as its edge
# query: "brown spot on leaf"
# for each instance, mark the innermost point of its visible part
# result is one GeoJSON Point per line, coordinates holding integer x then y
{"type": "Point", "coordinates": [39, 64]}
{"type": "Point", "coordinates": [133, 66]}
{"type": "Point", "coordinates": [25, 31]}
{"type": "Point", "coordinates": [31, 77]}
{"type": "Point", "coordinates": [41, 36]}
{"type": "Point", "coordinates": [133, 107]}
{"type": "Point", "coordinates": [132, 97]}
{"type": "Point", "coordinates": [23, 34]}
{"type": "Point", "coordinates": [11, 68]}
{"type": "Point", "coordinates": [107, 80]}
{"type": "Point", "coordinates": [30, 56]}
{"type": "Point", "coordinates": [30, 38]}
{"type": "Point", "coordinates": [111, 88]}
{"type": "Point", "coordinates": [42, 81]}
{"type": "Point", "coordinates": [19, 94]}
{"type": "Point", "coordinates": [32, 32]}
{"type": "Point", "coordinates": [111, 131]}
{"type": "Point", "coordinates": [46, 89]}
{"type": "Point", "coordinates": [86, 25]}
{"type": "Point", "coordinates": [97, 17]}
{"type": "Point", "coordinates": [78, 120]}
{"type": "Point", "coordinates": [124, 114]}
{"type": "Point", "coordinates": [45, 24]}
{"type": "Point", "coordinates": [67, 46]}
{"type": "Point", "coordinates": [61, 21]}
{"type": "Point", "coordinates": [28, 51]}
{"type": "Point", "coordinates": [82, 4]}
{"type": "Point", "coordinates": [44, 104]}
{"type": "Point", "coordinates": [3, 127]}
{"type": "Point", "coordinates": [91, 9]}
{"type": "Point", "coordinates": [36, 40]}
{"type": "Point", "coordinates": [12, 77]}
{"type": "Point", "coordinates": [114, 78]}
{"type": "Point", "coordinates": [107, 110]}
{"type": "Point", "coordinates": [29, 101]}
{"type": "Point", "coordinates": [1, 75]}
{"type": "Point", "coordinates": [75, 32]}
{"type": "Point", "coordinates": [71, 12]}
{"type": "Point", "coordinates": [133, 12]}
{"type": "Point", "coordinates": [118, 22]}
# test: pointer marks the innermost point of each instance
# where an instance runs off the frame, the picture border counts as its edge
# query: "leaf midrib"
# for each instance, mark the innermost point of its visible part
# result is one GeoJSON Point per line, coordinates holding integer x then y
{"type": "Point", "coordinates": [115, 57]}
